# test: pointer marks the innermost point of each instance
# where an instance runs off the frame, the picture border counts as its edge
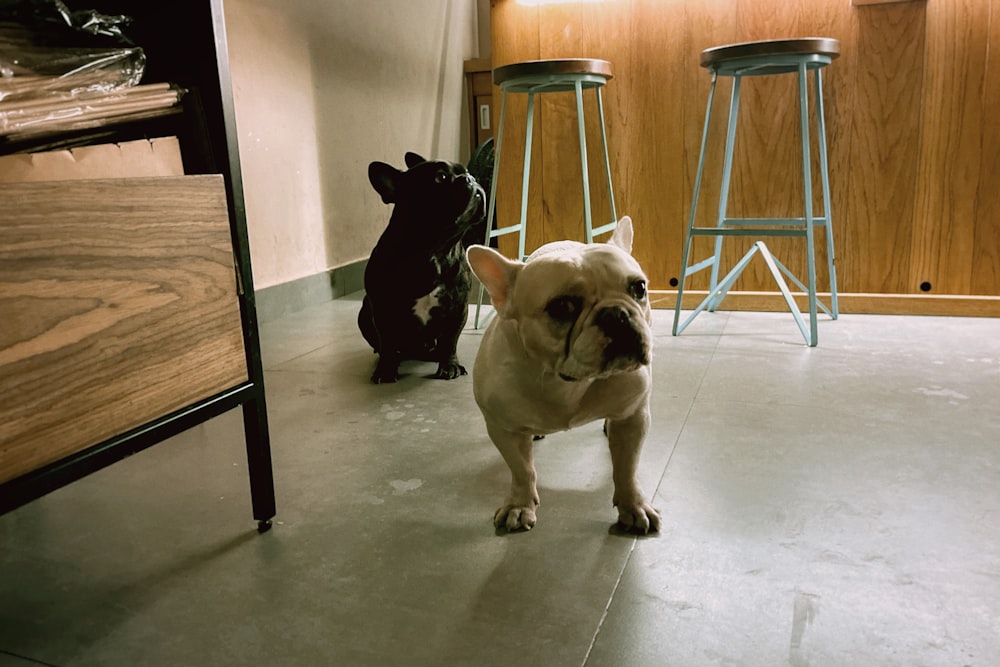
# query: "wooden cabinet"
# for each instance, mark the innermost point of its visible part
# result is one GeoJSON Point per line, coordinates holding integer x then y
{"type": "Point", "coordinates": [128, 304]}
{"type": "Point", "coordinates": [479, 94]}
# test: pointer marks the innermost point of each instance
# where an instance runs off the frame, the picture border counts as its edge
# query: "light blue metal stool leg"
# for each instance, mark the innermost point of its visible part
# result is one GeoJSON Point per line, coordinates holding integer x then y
{"type": "Point", "coordinates": [607, 166]}
{"type": "Point", "coordinates": [777, 269]}
{"type": "Point", "coordinates": [529, 131]}
{"type": "Point", "coordinates": [521, 226]}
{"type": "Point", "coordinates": [589, 230]}
{"type": "Point", "coordinates": [581, 129]}
{"type": "Point", "coordinates": [727, 173]}
{"type": "Point", "coordinates": [688, 238]}
{"type": "Point", "coordinates": [491, 208]}
{"type": "Point", "coordinates": [834, 311]}
{"type": "Point", "coordinates": [812, 337]}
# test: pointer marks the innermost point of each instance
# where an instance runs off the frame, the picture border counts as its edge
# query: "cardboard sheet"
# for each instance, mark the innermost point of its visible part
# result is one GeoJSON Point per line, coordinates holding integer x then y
{"type": "Point", "coordinates": [155, 157]}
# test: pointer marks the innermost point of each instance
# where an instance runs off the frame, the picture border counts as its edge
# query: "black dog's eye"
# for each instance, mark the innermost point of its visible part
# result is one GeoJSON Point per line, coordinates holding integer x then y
{"type": "Point", "coordinates": [563, 308]}
{"type": "Point", "coordinates": [637, 289]}
{"type": "Point", "coordinates": [441, 177]}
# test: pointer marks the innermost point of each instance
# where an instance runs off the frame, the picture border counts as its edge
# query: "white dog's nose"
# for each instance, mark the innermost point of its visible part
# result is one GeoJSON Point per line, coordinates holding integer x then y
{"type": "Point", "coordinates": [626, 342]}
{"type": "Point", "coordinates": [612, 319]}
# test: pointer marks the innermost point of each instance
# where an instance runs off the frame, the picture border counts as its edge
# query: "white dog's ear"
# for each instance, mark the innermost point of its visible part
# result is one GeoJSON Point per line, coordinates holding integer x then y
{"type": "Point", "coordinates": [622, 237]}
{"type": "Point", "coordinates": [495, 272]}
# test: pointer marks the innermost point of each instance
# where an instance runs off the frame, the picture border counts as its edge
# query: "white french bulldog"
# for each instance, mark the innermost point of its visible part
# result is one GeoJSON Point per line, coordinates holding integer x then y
{"type": "Point", "coordinates": [570, 344]}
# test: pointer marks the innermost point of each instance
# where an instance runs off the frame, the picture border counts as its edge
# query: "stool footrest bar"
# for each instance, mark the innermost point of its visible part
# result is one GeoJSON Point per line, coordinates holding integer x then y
{"type": "Point", "coordinates": [505, 230]}
{"type": "Point", "coordinates": [745, 231]}
{"type": "Point", "coordinates": [610, 227]}
{"type": "Point", "coordinates": [774, 222]}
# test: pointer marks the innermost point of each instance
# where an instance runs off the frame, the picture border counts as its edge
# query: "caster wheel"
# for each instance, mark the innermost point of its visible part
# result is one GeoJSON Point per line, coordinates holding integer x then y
{"type": "Point", "coordinates": [263, 526]}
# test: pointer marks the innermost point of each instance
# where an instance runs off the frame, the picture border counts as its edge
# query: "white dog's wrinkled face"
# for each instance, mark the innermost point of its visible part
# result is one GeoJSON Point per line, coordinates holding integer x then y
{"type": "Point", "coordinates": [582, 311]}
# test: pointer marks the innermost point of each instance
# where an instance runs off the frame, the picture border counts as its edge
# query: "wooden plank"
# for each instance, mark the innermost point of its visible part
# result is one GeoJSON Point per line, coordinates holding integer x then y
{"type": "Point", "coordinates": [841, 100]}
{"type": "Point", "coordinates": [560, 35]}
{"type": "Point", "coordinates": [120, 306]}
{"type": "Point", "coordinates": [576, 30]}
{"type": "Point", "coordinates": [767, 171]}
{"type": "Point", "coordinates": [606, 33]}
{"type": "Point", "coordinates": [610, 23]}
{"type": "Point", "coordinates": [767, 135]}
{"type": "Point", "coordinates": [884, 148]}
{"type": "Point", "coordinates": [705, 25]}
{"type": "Point", "coordinates": [877, 2]}
{"type": "Point", "coordinates": [986, 253]}
{"type": "Point", "coordinates": [950, 146]}
{"type": "Point", "coordinates": [660, 112]}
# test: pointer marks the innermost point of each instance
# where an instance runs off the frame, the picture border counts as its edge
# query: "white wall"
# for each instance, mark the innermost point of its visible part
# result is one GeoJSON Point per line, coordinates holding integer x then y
{"type": "Point", "coordinates": [322, 88]}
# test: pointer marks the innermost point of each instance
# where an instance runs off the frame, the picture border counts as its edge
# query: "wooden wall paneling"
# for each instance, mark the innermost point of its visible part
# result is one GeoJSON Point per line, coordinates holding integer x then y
{"type": "Point", "coordinates": [705, 25]}
{"type": "Point", "coordinates": [908, 105]}
{"type": "Point", "coordinates": [885, 139]}
{"type": "Point", "coordinates": [606, 33]}
{"type": "Point", "coordinates": [648, 132]}
{"type": "Point", "coordinates": [986, 253]}
{"type": "Point", "coordinates": [561, 35]}
{"type": "Point", "coordinates": [514, 38]}
{"type": "Point", "coordinates": [575, 30]}
{"type": "Point", "coordinates": [769, 134]}
{"type": "Point", "coordinates": [766, 137]}
{"type": "Point", "coordinates": [950, 146]}
{"type": "Point", "coordinates": [566, 30]}
{"type": "Point", "coordinates": [840, 97]}
{"type": "Point", "coordinates": [138, 271]}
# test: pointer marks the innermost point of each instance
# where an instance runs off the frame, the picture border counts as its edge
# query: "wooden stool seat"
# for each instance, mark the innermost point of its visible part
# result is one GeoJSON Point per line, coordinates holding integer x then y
{"type": "Point", "coordinates": [732, 56]}
{"type": "Point", "coordinates": [561, 74]}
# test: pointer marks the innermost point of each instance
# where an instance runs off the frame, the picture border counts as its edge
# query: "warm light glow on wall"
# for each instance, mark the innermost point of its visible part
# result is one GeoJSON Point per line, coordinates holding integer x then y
{"type": "Point", "coordinates": [536, 3]}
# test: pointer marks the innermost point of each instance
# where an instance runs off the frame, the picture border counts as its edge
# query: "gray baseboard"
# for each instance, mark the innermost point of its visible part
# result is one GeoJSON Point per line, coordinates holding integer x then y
{"type": "Point", "coordinates": [279, 300]}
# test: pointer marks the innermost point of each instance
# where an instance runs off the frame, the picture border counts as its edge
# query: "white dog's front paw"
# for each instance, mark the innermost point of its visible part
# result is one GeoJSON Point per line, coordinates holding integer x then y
{"type": "Point", "coordinates": [639, 516]}
{"type": "Point", "coordinates": [515, 517]}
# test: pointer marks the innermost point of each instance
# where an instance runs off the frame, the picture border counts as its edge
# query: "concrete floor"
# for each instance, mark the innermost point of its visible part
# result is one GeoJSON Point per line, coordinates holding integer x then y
{"type": "Point", "coordinates": [829, 506]}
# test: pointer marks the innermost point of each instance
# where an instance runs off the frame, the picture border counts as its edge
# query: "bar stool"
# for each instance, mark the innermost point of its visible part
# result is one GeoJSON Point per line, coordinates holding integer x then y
{"type": "Point", "coordinates": [765, 58]}
{"type": "Point", "coordinates": [549, 76]}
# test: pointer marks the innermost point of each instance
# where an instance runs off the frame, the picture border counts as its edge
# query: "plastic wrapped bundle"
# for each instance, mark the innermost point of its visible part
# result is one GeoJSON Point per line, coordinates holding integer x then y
{"type": "Point", "coordinates": [50, 82]}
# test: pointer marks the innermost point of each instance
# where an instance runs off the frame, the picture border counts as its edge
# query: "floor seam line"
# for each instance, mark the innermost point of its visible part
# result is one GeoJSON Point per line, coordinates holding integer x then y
{"type": "Point", "coordinates": [26, 658]}
{"type": "Point", "coordinates": [687, 415]}
{"type": "Point", "coordinates": [656, 489]}
{"type": "Point", "coordinates": [607, 607]}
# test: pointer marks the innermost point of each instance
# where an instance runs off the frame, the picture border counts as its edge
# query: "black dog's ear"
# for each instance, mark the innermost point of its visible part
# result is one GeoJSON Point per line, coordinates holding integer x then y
{"type": "Point", "coordinates": [383, 178]}
{"type": "Point", "coordinates": [413, 159]}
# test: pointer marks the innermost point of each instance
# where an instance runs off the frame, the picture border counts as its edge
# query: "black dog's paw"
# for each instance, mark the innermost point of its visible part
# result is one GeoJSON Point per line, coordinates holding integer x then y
{"type": "Point", "coordinates": [450, 370]}
{"type": "Point", "coordinates": [378, 378]}
{"type": "Point", "coordinates": [385, 373]}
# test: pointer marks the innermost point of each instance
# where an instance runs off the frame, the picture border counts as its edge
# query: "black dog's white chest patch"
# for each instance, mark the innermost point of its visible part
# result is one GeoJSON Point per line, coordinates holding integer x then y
{"type": "Point", "coordinates": [422, 307]}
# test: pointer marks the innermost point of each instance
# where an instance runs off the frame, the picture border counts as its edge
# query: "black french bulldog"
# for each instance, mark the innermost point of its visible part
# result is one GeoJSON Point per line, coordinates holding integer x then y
{"type": "Point", "coordinates": [417, 280]}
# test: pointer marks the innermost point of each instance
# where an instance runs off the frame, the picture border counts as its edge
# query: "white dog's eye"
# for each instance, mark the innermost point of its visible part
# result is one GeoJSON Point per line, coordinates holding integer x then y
{"type": "Point", "coordinates": [638, 290]}
{"type": "Point", "coordinates": [563, 308]}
